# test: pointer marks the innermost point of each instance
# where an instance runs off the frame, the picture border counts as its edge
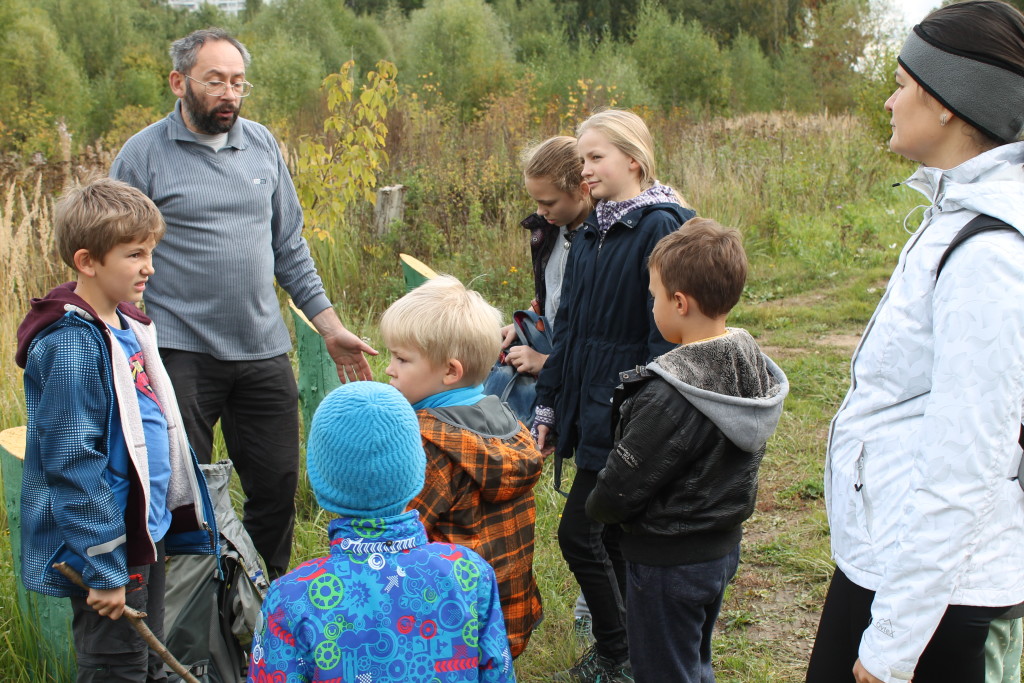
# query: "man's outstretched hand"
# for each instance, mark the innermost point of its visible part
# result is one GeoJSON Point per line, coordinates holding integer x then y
{"type": "Point", "coordinates": [346, 349]}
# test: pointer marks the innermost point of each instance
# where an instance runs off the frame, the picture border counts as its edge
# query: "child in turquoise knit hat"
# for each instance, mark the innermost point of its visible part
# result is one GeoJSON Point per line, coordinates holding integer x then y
{"type": "Point", "coordinates": [385, 604]}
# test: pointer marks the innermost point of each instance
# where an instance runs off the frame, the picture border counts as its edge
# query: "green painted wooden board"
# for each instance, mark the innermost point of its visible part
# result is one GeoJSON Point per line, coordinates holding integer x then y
{"type": "Point", "coordinates": [415, 271]}
{"type": "Point", "coordinates": [318, 374]}
{"type": "Point", "coordinates": [48, 619]}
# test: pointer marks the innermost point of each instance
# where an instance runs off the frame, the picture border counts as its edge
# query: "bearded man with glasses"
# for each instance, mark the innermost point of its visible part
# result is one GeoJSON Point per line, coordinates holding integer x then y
{"type": "Point", "coordinates": [234, 226]}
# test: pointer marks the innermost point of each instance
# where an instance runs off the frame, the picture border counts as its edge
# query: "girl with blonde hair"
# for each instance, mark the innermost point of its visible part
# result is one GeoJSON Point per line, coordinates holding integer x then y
{"type": "Point", "coordinates": [605, 325]}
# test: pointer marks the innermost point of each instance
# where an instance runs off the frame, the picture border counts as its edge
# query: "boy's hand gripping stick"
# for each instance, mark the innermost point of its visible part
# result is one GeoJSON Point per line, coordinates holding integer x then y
{"type": "Point", "coordinates": [135, 617]}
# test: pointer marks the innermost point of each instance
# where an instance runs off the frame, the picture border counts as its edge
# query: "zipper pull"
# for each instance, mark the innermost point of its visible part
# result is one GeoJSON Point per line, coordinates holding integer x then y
{"type": "Point", "coordinates": [213, 541]}
{"type": "Point", "coordinates": [857, 485]}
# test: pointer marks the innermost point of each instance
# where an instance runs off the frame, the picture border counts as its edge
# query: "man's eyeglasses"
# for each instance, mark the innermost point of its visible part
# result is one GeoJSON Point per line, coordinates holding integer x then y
{"type": "Point", "coordinates": [220, 88]}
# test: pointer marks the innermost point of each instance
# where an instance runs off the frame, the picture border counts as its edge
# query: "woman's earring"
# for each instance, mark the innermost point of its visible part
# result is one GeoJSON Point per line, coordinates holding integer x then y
{"type": "Point", "coordinates": [942, 119]}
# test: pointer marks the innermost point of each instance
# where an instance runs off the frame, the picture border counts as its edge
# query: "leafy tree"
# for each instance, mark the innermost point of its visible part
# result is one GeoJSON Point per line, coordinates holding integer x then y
{"type": "Point", "coordinates": [93, 31]}
{"type": "Point", "coordinates": [533, 25]}
{"type": "Point", "coordinates": [682, 64]}
{"type": "Point", "coordinates": [794, 80]}
{"type": "Point", "coordinates": [138, 79]}
{"type": "Point", "coordinates": [751, 75]}
{"type": "Point", "coordinates": [330, 28]}
{"type": "Point", "coordinates": [252, 8]}
{"type": "Point", "coordinates": [598, 19]}
{"type": "Point", "coordinates": [772, 22]}
{"type": "Point", "coordinates": [464, 46]}
{"type": "Point", "coordinates": [874, 89]}
{"type": "Point", "coordinates": [839, 33]}
{"type": "Point", "coordinates": [211, 15]}
{"type": "Point", "coordinates": [287, 73]}
{"type": "Point", "coordinates": [39, 83]}
{"type": "Point", "coordinates": [373, 6]}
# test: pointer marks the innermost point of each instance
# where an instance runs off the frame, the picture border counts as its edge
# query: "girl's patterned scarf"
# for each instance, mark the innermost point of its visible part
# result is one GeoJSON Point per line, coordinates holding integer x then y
{"type": "Point", "coordinates": [608, 211]}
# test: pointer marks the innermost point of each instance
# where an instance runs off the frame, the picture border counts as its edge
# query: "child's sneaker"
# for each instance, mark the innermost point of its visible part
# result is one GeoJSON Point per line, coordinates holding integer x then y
{"type": "Point", "coordinates": [595, 668]}
{"type": "Point", "coordinates": [582, 628]}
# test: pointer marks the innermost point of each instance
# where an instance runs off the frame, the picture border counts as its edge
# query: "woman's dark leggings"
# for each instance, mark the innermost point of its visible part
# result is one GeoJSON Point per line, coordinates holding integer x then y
{"type": "Point", "coordinates": [956, 651]}
{"type": "Point", "coordinates": [592, 551]}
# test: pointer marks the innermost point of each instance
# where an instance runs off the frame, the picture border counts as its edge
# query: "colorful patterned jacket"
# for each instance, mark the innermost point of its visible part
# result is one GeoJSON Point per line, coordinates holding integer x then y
{"type": "Point", "coordinates": [481, 470]}
{"type": "Point", "coordinates": [385, 606]}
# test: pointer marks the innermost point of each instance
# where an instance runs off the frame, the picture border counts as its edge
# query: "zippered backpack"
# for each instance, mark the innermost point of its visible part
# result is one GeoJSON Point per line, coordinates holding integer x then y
{"type": "Point", "coordinates": [519, 391]}
{"type": "Point", "coordinates": [213, 603]}
{"type": "Point", "coordinates": [982, 223]}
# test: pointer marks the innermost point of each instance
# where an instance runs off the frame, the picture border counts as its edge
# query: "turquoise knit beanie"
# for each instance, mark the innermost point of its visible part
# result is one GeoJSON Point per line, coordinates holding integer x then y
{"type": "Point", "coordinates": [364, 456]}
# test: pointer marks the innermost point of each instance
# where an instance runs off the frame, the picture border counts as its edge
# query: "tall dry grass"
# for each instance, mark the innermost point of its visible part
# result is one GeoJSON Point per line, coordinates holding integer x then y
{"type": "Point", "coordinates": [30, 269]}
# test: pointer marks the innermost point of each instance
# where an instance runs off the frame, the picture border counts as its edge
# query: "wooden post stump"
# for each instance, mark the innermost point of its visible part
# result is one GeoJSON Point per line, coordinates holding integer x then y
{"type": "Point", "coordinates": [390, 208]}
{"type": "Point", "coordinates": [318, 374]}
{"type": "Point", "coordinates": [415, 271]}
{"type": "Point", "coordinates": [47, 620]}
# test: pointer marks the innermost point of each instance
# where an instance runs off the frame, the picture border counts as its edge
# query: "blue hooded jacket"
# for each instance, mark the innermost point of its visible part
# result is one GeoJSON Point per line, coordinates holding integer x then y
{"type": "Point", "coordinates": [75, 411]}
{"type": "Point", "coordinates": [385, 605]}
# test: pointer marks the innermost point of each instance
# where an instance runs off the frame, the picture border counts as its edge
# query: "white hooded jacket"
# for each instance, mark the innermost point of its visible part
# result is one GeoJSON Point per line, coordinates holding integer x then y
{"type": "Point", "coordinates": [920, 483]}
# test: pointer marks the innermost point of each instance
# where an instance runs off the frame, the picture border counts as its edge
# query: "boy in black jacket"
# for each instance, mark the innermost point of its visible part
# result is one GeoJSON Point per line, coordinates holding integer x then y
{"type": "Point", "coordinates": [682, 477]}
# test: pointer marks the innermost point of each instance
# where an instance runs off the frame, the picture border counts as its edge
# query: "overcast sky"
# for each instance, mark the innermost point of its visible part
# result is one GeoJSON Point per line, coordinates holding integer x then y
{"type": "Point", "coordinates": [915, 10]}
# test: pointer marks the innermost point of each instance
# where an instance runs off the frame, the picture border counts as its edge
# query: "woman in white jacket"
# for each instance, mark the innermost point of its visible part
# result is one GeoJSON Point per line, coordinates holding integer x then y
{"type": "Point", "coordinates": [926, 515]}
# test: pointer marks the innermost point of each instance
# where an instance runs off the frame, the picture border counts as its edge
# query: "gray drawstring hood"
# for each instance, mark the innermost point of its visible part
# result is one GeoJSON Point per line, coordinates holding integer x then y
{"type": "Point", "coordinates": [731, 382]}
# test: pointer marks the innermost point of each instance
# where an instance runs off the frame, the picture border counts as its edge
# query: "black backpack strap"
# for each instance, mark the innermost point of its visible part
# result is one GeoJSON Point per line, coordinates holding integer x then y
{"type": "Point", "coordinates": [980, 223]}
{"type": "Point", "coordinates": [632, 381]}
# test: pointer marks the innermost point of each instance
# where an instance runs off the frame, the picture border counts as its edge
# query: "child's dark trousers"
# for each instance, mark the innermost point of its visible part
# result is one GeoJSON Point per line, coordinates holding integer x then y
{"type": "Point", "coordinates": [591, 550]}
{"type": "Point", "coordinates": [671, 612]}
{"type": "Point", "coordinates": [109, 650]}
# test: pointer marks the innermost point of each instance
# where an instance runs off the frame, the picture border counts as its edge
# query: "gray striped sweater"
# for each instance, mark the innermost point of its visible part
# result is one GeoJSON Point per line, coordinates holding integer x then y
{"type": "Point", "coordinates": [234, 225]}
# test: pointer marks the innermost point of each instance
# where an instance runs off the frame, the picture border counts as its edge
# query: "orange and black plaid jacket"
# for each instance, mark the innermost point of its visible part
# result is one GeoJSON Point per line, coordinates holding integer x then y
{"type": "Point", "coordinates": [479, 493]}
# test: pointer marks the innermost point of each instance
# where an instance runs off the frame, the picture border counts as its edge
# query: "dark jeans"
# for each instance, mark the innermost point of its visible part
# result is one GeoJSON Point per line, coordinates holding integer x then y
{"type": "Point", "coordinates": [591, 550]}
{"type": "Point", "coordinates": [956, 651]}
{"type": "Point", "coordinates": [257, 403]}
{"type": "Point", "coordinates": [109, 650]}
{"type": "Point", "coordinates": [672, 611]}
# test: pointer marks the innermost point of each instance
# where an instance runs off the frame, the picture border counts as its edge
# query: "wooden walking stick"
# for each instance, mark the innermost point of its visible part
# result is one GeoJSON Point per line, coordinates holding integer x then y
{"type": "Point", "coordinates": [135, 618]}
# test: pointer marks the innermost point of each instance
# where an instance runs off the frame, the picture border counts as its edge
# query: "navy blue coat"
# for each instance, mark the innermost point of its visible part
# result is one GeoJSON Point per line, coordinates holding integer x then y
{"type": "Point", "coordinates": [605, 325]}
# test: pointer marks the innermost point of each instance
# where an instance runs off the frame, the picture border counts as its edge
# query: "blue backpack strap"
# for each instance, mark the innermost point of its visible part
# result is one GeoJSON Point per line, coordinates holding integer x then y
{"type": "Point", "coordinates": [978, 224]}
{"type": "Point", "coordinates": [534, 331]}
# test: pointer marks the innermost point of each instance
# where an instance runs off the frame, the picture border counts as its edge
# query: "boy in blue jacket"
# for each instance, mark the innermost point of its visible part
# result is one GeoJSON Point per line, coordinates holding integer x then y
{"type": "Point", "coordinates": [385, 605]}
{"type": "Point", "coordinates": [691, 433]}
{"type": "Point", "coordinates": [108, 471]}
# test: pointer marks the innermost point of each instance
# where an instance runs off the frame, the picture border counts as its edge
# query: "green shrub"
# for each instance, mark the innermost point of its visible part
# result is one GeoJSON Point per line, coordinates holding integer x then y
{"type": "Point", "coordinates": [287, 73]}
{"type": "Point", "coordinates": [751, 76]}
{"type": "Point", "coordinates": [681, 63]}
{"type": "Point", "coordinates": [463, 46]}
{"type": "Point", "coordinates": [39, 85]}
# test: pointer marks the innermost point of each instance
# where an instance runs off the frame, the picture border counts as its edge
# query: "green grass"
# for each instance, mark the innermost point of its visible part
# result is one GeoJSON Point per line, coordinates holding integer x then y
{"type": "Point", "coordinates": [822, 228]}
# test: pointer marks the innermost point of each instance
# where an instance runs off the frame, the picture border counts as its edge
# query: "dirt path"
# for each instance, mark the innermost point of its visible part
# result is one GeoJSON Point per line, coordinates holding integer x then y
{"type": "Point", "coordinates": [773, 608]}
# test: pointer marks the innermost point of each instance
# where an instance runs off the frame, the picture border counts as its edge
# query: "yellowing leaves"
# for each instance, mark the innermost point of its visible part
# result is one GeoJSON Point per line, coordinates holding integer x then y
{"type": "Point", "coordinates": [333, 174]}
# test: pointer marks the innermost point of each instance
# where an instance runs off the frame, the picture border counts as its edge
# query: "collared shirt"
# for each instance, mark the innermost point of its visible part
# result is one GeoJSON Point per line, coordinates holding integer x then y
{"type": "Point", "coordinates": [234, 226]}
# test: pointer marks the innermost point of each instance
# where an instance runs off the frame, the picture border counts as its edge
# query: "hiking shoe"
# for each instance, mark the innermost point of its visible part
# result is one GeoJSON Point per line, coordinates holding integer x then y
{"type": "Point", "coordinates": [582, 628]}
{"type": "Point", "coordinates": [595, 668]}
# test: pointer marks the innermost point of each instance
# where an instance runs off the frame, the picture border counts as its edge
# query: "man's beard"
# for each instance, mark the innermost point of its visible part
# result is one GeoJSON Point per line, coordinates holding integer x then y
{"type": "Point", "coordinates": [206, 120]}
